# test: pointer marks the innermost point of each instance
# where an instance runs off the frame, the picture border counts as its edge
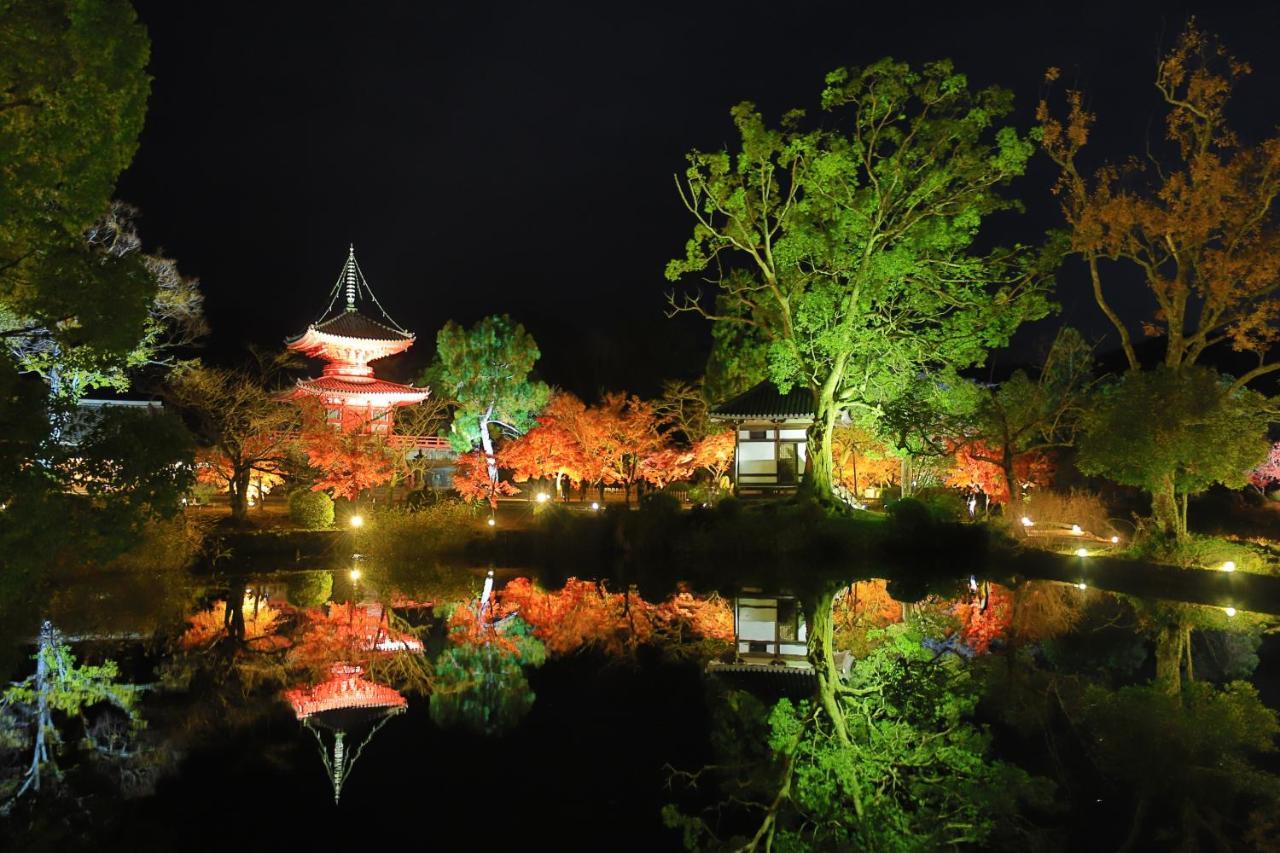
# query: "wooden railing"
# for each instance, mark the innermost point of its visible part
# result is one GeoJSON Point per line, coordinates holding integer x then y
{"type": "Point", "coordinates": [419, 442]}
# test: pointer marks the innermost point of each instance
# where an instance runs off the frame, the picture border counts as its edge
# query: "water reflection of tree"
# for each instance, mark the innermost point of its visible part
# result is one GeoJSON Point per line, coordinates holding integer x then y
{"type": "Point", "coordinates": [480, 678]}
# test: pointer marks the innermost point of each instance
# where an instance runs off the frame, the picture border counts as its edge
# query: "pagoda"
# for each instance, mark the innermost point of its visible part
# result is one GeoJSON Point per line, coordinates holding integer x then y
{"type": "Point", "coordinates": [352, 332]}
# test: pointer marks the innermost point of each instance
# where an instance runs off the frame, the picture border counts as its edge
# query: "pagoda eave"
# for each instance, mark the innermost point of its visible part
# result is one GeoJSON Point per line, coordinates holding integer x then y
{"type": "Point", "coordinates": [376, 393]}
{"type": "Point", "coordinates": [316, 344]}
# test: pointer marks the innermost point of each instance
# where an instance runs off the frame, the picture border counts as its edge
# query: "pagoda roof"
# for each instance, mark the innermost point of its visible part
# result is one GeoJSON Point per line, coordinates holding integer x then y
{"type": "Point", "coordinates": [351, 304]}
{"type": "Point", "coordinates": [345, 688]}
{"type": "Point", "coordinates": [350, 323]}
{"type": "Point", "coordinates": [336, 385]}
{"type": "Point", "coordinates": [765, 402]}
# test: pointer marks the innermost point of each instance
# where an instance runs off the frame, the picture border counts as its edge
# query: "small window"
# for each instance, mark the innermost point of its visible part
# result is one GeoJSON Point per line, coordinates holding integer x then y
{"type": "Point", "coordinates": [333, 414]}
{"type": "Point", "coordinates": [758, 434]}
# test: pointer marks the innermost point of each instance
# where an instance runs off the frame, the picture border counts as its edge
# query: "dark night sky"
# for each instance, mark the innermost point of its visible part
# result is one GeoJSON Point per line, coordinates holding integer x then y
{"type": "Point", "coordinates": [489, 158]}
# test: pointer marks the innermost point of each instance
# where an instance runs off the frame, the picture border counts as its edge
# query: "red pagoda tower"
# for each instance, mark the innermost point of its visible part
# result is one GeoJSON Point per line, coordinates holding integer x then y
{"type": "Point", "coordinates": [348, 338]}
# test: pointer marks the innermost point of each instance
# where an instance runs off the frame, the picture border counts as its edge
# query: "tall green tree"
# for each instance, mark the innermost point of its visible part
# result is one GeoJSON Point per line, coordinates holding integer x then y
{"type": "Point", "coordinates": [849, 249]}
{"type": "Point", "coordinates": [1174, 433]}
{"type": "Point", "coordinates": [73, 93]}
{"type": "Point", "coordinates": [486, 370]}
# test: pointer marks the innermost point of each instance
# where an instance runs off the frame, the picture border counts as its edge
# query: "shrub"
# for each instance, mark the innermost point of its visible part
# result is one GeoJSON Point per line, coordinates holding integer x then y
{"type": "Point", "coordinates": [311, 510]}
{"type": "Point", "coordinates": [1075, 507]}
{"type": "Point", "coordinates": [402, 534]}
{"type": "Point", "coordinates": [943, 504]}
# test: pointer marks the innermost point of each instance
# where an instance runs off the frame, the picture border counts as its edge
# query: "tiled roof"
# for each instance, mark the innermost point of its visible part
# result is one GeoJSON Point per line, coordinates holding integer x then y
{"type": "Point", "coordinates": [331, 384]}
{"type": "Point", "coordinates": [765, 402]}
{"type": "Point", "coordinates": [353, 324]}
{"type": "Point", "coordinates": [345, 688]}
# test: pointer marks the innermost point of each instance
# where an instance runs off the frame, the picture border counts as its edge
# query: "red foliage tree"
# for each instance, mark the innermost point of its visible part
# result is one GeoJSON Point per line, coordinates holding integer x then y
{"type": "Point", "coordinates": [976, 466]}
{"type": "Point", "coordinates": [1269, 471]}
{"type": "Point", "coordinates": [471, 480]}
{"type": "Point", "coordinates": [550, 449]}
{"type": "Point", "coordinates": [619, 434]}
{"type": "Point", "coordinates": [714, 454]}
{"type": "Point", "coordinates": [348, 463]}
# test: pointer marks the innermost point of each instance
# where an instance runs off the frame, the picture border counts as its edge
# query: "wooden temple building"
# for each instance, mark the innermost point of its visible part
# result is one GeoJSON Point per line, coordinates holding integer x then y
{"type": "Point", "coordinates": [771, 430]}
{"type": "Point", "coordinates": [353, 332]}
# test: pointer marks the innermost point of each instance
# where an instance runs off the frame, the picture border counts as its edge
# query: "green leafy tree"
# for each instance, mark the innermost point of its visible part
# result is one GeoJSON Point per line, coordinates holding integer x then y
{"type": "Point", "coordinates": [1174, 433]}
{"type": "Point", "coordinates": [486, 370]}
{"type": "Point", "coordinates": [915, 775]}
{"type": "Point", "coordinates": [174, 318]}
{"type": "Point", "coordinates": [1188, 755]}
{"type": "Point", "coordinates": [58, 685]}
{"type": "Point", "coordinates": [850, 251]}
{"type": "Point", "coordinates": [73, 94]}
{"type": "Point", "coordinates": [134, 464]}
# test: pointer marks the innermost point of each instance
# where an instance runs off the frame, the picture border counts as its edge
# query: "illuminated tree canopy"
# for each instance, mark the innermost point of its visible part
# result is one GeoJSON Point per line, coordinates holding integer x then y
{"type": "Point", "coordinates": [848, 252]}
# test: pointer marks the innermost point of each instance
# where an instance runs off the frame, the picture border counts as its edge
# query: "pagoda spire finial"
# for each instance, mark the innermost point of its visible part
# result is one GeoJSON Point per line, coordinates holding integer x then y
{"type": "Point", "coordinates": [350, 274]}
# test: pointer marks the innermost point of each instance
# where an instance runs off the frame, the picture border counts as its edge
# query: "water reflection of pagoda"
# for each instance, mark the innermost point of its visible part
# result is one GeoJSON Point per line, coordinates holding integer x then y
{"type": "Point", "coordinates": [344, 702]}
{"type": "Point", "coordinates": [348, 338]}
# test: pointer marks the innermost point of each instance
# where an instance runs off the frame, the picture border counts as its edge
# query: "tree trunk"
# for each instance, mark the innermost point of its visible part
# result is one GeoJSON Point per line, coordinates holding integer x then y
{"type": "Point", "coordinates": [821, 654]}
{"type": "Point", "coordinates": [239, 494]}
{"type": "Point", "coordinates": [1169, 653]}
{"type": "Point", "coordinates": [487, 443]}
{"type": "Point", "coordinates": [1010, 482]}
{"type": "Point", "coordinates": [819, 477]}
{"type": "Point", "coordinates": [1164, 508]}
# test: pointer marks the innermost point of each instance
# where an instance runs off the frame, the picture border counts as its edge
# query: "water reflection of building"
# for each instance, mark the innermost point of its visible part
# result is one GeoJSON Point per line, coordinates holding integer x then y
{"type": "Point", "coordinates": [345, 702]}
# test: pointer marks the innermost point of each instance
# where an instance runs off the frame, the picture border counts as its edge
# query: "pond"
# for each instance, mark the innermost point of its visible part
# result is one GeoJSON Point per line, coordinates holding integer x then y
{"type": "Point", "coordinates": [361, 703]}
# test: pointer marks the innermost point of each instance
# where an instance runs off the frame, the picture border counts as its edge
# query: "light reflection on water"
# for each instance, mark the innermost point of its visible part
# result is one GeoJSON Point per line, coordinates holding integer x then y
{"type": "Point", "coordinates": [362, 656]}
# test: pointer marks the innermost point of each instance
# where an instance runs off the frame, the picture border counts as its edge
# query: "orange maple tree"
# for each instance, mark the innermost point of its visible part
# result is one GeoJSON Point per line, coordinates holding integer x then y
{"type": "Point", "coordinates": [975, 466]}
{"type": "Point", "coordinates": [550, 449]}
{"type": "Point", "coordinates": [347, 460]}
{"type": "Point", "coordinates": [714, 454]}
{"type": "Point", "coordinates": [471, 480]}
{"type": "Point", "coordinates": [616, 436]}
{"type": "Point", "coordinates": [1198, 224]}
{"type": "Point", "coordinates": [861, 460]}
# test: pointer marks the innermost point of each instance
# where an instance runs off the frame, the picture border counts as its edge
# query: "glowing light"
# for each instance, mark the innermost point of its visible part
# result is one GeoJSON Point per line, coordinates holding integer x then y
{"type": "Point", "coordinates": [543, 497]}
{"type": "Point", "coordinates": [492, 522]}
{"type": "Point", "coordinates": [1075, 530]}
{"type": "Point", "coordinates": [594, 506]}
{"type": "Point", "coordinates": [357, 521]}
{"type": "Point", "coordinates": [1230, 611]}
{"type": "Point", "coordinates": [1082, 585]}
{"type": "Point", "coordinates": [1026, 522]}
{"type": "Point", "coordinates": [1115, 540]}
{"type": "Point", "coordinates": [973, 584]}
{"type": "Point", "coordinates": [355, 574]}
{"type": "Point", "coordinates": [1229, 566]}
{"type": "Point", "coordinates": [1082, 552]}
